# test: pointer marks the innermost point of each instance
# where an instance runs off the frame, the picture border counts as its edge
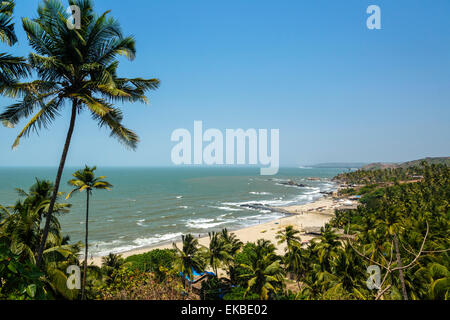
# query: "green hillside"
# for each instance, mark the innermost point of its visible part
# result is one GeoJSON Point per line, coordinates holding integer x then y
{"type": "Point", "coordinates": [407, 164]}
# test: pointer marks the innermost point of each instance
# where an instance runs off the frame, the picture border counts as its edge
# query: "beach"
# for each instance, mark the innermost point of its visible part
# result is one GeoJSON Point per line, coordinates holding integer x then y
{"type": "Point", "coordinates": [310, 216]}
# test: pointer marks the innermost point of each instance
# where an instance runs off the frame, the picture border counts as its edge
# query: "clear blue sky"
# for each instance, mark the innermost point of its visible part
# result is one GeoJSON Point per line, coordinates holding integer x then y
{"type": "Point", "coordinates": [336, 90]}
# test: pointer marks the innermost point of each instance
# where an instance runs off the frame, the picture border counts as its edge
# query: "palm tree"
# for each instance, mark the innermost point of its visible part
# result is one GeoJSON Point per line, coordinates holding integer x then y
{"type": "Point", "coordinates": [188, 258]}
{"type": "Point", "coordinates": [11, 68]}
{"type": "Point", "coordinates": [218, 251]}
{"type": "Point", "coordinates": [290, 236]}
{"type": "Point", "coordinates": [85, 180]}
{"type": "Point", "coordinates": [112, 260]}
{"type": "Point", "coordinates": [21, 231]}
{"type": "Point", "coordinates": [327, 246]}
{"type": "Point", "coordinates": [233, 246]}
{"type": "Point", "coordinates": [22, 225]}
{"type": "Point", "coordinates": [111, 263]}
{"type": "Point", "coordinates": [4, 213]}
{"type": "Point", "coordinates": [264, 272]}
{"type": "Point", "coordinates": [234, 243]}
{"type": "Point", "coordinates": [79, 67]}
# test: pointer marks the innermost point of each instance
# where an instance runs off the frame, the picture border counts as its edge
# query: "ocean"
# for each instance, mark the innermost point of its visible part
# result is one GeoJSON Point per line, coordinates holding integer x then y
{"type": "Point", "coordinates": [150, 206]}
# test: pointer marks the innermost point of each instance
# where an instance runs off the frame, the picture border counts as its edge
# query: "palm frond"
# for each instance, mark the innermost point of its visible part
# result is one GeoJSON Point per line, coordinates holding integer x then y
{"type": "Point", "coordinates": [41, 119]}
{"type": "Point", "coordinates": [7, 34]}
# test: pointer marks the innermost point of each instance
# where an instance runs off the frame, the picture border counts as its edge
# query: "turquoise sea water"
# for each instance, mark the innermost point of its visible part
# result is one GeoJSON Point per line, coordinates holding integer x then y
{"type": "Point", "coordinates": [149, 206]}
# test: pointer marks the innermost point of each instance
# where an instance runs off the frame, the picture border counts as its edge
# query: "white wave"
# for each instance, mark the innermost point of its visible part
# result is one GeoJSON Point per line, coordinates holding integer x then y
{"type": "Point", "coordinates": [104, 248]}
{"type": "Point", "coordinates": [226, 208]}
{"type": "Point", "coordinates": [142, 242]}
{"type": "Point", "coordinates": [316, 191]}
{"type": "Point", "coordinates": [201, 220]}
{"type": "Point", "coordinates": [141, 223]}
{"type": "Point", "coordinates": [260, 193]}
{"type": "Point", "coordinates": [179, 197]}
{"type": "Point", "coordinates": [204, 223]}
{"type": "Point", "coordinates": [277, 202]}
{"type": "Point", "coordinates": [225, 215]}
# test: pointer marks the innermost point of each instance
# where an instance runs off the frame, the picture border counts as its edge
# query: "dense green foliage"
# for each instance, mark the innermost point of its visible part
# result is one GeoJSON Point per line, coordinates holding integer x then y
{"type": "Point", "coordinates": [405, 213]}
{"type": "Point", "coordinates": [152, 261]}
{"type": "Point", "coordinates": [21, 232]}
{"type": "Point", "coordinates": [19, 280]}
{"type": "Point", "coordinates": [132, 284]}
{"type": "Point", "coordinates": [378, 176]}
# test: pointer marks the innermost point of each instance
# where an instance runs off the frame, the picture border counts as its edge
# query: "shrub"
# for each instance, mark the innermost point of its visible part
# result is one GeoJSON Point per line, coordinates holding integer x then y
{"type": "Point", "coordinates": [238, 293]}
{"type": "Point", "coordinates": [136, 285]}
{"type": "Point", "coordinates": [19, 281]}
{"type": "Point", "coordinates": [152, 261]}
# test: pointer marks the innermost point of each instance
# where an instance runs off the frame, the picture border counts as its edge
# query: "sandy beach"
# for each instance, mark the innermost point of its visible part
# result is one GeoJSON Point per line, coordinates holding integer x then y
{"type": "Point", "coordinates": [307, 216]}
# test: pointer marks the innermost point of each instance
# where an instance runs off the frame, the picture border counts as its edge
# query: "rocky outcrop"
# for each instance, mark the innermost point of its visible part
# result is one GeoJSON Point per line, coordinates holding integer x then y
{"type": "Point", "coordinates": [260, 206]}
{"type": "Point", "coordinates": [294, 184]}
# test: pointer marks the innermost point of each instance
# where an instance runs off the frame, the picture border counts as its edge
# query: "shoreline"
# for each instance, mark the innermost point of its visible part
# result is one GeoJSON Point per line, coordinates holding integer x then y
{"type": "Point", "coordinates": [312, 215]}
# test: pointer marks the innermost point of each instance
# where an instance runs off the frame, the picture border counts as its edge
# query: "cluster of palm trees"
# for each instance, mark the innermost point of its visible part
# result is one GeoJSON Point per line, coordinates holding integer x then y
{"type": "Point", "coordinates": [262, 273]}
{"type": "Point", "coordinates": [20, 229]}
{"type": "Point", "coordinates": [403, 231]}
{"type": "Point", "coordinates": [192, 257]}
{"type": "Point", "coordinates": [375, 176]}
{"type": "Point", "coordinates": [76, 67]}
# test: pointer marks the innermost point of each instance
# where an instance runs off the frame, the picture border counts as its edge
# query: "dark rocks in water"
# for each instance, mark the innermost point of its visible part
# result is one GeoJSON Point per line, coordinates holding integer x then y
{"type": "Point", "coordinates": [329, 193]}
{"type": "Point", "coordinates": [294, 184]}
{"type": "Point", "coordinates": [260, 206]}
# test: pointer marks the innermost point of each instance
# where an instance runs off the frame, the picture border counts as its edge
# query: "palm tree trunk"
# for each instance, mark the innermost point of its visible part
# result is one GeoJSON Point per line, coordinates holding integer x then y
{"type": "Point", "coordinates": [399, 263]}
{"type": "Point", "coordinates": [57, 181]}
{"type": "Point", "coordinates": [86, 248]}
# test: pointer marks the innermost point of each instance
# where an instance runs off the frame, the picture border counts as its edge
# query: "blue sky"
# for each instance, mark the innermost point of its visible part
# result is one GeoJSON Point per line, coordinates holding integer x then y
{"type": "Point", "coordinates": [335, 90]}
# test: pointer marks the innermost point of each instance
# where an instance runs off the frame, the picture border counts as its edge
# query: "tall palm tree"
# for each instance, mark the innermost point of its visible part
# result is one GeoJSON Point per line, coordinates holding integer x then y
{"type": "Point", "coordinates": [78, 67]}
{"type": "Point", "coordinates": [188, 258]}
{"type": "Point", "coordinates": [11, 68]}
{"type": "Point", "coordinates": [218, 251]}
{"type": "Point", "coordinates": [85, 180]}
{"type": "Point", "coordinates": [233, 246]}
